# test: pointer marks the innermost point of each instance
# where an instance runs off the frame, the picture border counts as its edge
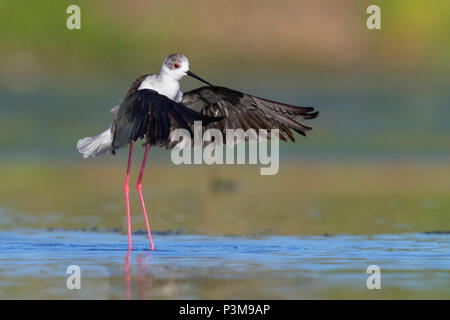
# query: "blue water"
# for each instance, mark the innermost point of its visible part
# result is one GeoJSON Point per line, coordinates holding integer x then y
{"type": "Point", "coordinates": [33, 264]}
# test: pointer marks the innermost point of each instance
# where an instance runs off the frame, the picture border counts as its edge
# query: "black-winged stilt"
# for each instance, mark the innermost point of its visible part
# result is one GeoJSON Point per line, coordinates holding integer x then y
{"type": "Point", "coordinates": [154, 106]}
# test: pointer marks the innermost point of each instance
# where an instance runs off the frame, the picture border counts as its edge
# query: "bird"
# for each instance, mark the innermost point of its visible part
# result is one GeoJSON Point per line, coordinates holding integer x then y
{"type": "Point", "coordinates": [154, 106]}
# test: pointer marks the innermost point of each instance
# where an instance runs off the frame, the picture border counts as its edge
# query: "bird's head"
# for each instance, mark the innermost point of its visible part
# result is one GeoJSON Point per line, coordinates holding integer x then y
{"type": "Point", "coordinates": [176, 66]}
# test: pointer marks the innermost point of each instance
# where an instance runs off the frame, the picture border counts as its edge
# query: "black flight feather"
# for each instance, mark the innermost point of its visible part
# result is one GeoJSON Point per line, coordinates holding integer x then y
{"type": "Point", "coordinates": [147, 113]}
{"type": "Point", "coordinates": [244, 111]}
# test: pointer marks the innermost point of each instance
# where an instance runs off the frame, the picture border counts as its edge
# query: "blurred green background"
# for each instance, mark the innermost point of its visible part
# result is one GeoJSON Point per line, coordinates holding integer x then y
{"type": "Point", "coordinates": [376, 161]}
{"type": "Point", "coordinates": [381, 93]}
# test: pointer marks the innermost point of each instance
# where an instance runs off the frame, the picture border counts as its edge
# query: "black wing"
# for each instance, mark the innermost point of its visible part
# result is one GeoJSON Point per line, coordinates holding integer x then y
{"type": "Point", "coordinates": [244, 111]}
{"type": "Point", "coordinates": [148, 113]}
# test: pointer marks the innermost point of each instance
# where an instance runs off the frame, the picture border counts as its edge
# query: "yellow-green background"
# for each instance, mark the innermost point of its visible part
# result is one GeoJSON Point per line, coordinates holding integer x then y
{"type": "Point", "coordinates": [376, 161]}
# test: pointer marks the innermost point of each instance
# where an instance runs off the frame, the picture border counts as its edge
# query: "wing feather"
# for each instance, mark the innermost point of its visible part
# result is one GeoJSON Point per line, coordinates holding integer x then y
{"type": "Point", "coordinates": [148, 113]}
{"type": "Point", "coordinates": [244, 111]}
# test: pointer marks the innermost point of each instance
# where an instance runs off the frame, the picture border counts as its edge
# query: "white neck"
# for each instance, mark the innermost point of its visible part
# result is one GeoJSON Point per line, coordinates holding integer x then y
{"type": "Point", "coordinates": [164, 84]}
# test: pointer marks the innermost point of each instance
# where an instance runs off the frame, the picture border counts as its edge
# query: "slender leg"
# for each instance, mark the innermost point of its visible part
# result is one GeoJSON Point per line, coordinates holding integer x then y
{"type": "Point", "coordinates": [139, 188]}
{"type": "Point", "coordinates": [127, 197]}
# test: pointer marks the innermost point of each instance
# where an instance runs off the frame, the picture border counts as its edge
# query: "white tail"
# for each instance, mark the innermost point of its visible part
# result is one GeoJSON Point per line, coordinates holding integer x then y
{"type": "Point", "coordinates": [93, 146]}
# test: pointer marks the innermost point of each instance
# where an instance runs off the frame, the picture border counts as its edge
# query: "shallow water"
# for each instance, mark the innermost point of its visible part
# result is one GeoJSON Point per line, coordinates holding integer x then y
{"type": "Point", "coordinates": [33, 264]}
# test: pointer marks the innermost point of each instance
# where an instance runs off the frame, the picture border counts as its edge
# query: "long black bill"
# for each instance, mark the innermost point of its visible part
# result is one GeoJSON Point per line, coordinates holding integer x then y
{"type": "Point", "coordinates": [193, 75]}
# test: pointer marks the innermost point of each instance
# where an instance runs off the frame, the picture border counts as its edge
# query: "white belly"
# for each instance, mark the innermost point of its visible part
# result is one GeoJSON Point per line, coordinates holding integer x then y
{"type": "Point", "coordinates": [168, 87]}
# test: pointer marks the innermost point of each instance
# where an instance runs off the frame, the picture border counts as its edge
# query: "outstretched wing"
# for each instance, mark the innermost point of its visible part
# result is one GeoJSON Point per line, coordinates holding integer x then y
{"type": "Point", "coordinates": [147, 113]}
{"type": "Point", "coordinates": [244, 111]}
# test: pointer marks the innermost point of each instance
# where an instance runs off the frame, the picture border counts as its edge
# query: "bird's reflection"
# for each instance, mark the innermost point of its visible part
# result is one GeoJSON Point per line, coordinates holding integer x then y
{"type": "Point", "coordinates": [127, 276]}
{"type": "Point", "coordinates": [143, 279]}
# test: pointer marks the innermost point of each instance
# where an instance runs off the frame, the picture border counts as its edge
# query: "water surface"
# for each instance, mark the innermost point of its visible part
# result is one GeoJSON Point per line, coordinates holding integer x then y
{"type": "Point", "coordinates": [33, 264]}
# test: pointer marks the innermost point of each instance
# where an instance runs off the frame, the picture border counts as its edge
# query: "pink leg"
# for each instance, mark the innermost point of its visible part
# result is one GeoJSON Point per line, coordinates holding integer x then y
{"type": "Point", "coordinates": [127, 197]}
{"type": "Point", "coordinates": [139, 188]}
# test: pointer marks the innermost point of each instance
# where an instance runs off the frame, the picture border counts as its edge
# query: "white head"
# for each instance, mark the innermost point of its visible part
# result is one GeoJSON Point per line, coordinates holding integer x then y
{"type": "Point", "coordinates": [176, 66]}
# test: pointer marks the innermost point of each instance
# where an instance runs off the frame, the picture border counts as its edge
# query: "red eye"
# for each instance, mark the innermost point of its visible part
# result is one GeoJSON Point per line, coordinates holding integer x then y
{"type": "Point", "coordinates": [177, 65]}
